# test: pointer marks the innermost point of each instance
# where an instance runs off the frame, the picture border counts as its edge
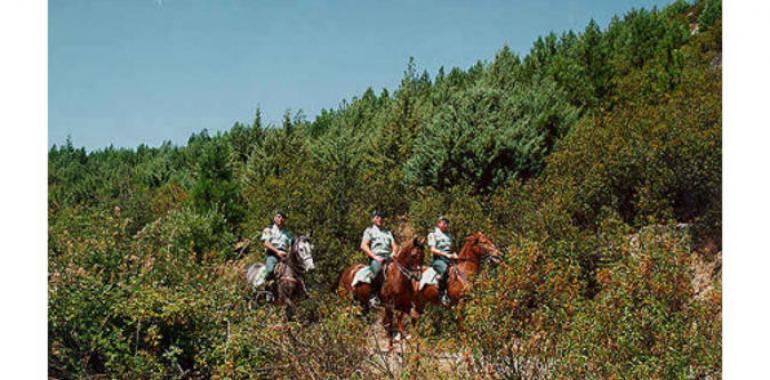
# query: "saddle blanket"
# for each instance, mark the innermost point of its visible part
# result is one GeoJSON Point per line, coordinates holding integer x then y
{"type": "Point", "coordinates": [257, 274]}
{"type": "Point", "coordinates": [363, 276]}
{"type": "Point", "coordinates": [429, 277]}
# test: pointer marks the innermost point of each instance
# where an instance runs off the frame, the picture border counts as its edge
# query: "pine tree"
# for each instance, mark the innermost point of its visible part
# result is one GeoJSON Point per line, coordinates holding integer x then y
{"type": "Point", "coordinates": [483, 136]}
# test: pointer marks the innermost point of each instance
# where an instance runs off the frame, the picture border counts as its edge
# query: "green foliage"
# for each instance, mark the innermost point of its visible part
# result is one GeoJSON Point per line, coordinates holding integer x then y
{"type": "Point", "coordinates": [593, 161]}
{"type": "Point", "coordinates": [484, 136]}
{"type": "Point", "coordinates": [644, 322]}
{"type": "Point", "coordinates": [661, 330]}
{"type": "Point", "coordinates": [466, 212]}
{"type": "Point", "coordinates": [711, 14]}
{"type": "Point", "coordinates": [215, 188]}
{"type": "Point", "coordinates": [657, 158]}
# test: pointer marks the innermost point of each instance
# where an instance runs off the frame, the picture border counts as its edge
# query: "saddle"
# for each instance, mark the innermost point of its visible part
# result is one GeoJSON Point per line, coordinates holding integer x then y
{"type": "Point", "coordinates": [429, 277]}
{"type": "Point", "coordinates": [365, 275]}
{"type": "Point", "coordinates": [259, 277]}
{"type": "Point", "coordinates": [362, 276]}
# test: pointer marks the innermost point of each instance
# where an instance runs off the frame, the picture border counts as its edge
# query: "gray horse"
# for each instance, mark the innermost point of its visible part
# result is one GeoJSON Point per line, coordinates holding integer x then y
{"type": "Point", "coordinates": [288, 286]}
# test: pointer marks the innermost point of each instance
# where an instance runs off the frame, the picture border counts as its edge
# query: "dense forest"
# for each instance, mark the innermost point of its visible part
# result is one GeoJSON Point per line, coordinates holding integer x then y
{"type": "Point", "coordinates": [594, 162]}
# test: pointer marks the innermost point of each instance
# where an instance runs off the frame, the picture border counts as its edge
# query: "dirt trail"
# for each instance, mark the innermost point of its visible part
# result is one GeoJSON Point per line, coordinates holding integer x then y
{"type": "Point", "coordinates": [407, 351]}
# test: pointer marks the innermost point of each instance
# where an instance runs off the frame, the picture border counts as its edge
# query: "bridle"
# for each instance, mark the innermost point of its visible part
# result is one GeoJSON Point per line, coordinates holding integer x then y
{"type": "Point", "coordinates": [295, 260]}
{"type": "Point", "coordinates": [483, 259]}
{"type": "Point", "coordinates": [411, 274]}
{"type": "Point", "coordinates": [297, 263]}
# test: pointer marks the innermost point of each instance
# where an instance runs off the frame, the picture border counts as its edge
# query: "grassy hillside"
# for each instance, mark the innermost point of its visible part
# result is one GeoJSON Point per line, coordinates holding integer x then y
{"type": "Point", "coordinates": [594, 161]}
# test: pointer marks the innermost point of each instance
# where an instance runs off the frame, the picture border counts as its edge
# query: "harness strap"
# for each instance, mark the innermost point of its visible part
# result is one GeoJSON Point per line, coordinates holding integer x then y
{"type": "Point", "coordinates": [458, 272]}
{"type": "Point", "coordinates": [406, 272]}
{"type": "Point", "coordinates": [289, 279]}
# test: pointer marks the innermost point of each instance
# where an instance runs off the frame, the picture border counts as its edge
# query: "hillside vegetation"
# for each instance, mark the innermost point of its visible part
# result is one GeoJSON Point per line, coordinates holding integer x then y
{"type": "Point", "coordinates": [594, 162]}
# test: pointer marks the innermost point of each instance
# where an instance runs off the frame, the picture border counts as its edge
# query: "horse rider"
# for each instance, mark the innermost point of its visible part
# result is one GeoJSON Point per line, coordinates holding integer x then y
{"type": "Point", "coordinates": [277, 241]}
{"type": "Point", "coordinates": [440, 244]}
{"type": "Point", "coordinates": [379, 245]}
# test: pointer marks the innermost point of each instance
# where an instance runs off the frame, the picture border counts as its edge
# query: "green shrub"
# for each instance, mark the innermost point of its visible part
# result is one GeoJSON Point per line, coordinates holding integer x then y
{"type": "Point", "coordinates": [648, 161]}
{"type": "Point", "coordinates": [643, 322]}
{"type": "Point", "coordinates": [484, 136]}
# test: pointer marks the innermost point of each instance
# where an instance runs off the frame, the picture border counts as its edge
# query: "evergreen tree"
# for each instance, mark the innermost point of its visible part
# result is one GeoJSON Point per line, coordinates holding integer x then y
{"type": "Point", "coordinates": [214, 187]}
{"type": "Point", "coordinates": [482, 137]}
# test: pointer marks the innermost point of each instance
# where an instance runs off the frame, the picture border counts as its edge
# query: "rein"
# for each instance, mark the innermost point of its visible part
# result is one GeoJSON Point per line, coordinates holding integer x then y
{"type": "Point", "coordinates": [291, 260]}
{"type": "Point", "coordinates": [410, 274]}
{"type": "Point", "coordinates": [458, 272]}
{"type": "Point", "coordinates": [296, 262]}
{"type": "Point", "coordinates": [289, 279]}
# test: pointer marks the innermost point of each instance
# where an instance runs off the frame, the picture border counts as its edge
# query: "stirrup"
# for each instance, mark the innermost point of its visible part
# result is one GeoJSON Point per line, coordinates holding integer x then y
{"type": "Point", "coordinates": [374, 302]}
{"type": "Point", "coordinates": [445, 300]}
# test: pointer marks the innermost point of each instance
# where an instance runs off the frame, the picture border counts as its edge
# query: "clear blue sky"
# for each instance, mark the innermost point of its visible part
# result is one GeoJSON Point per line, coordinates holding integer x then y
{"type": "Point", "coordinates": [146, 71]}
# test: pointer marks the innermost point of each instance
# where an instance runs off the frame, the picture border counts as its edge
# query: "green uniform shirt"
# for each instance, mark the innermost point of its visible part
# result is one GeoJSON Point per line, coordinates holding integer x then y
{"type": "Point", "coordinates": [381, 240]}
{"type": "Point", "coordinates": [280, 238]}
{"type": "Point", "coordinates": [440, 241]}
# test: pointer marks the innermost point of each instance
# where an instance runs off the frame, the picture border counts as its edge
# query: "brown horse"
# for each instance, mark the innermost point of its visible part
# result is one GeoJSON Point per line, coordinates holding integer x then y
{"type": "Point", "coordinates": [397, 292]}
{"type": "Point", "coordinates": [476, 248]}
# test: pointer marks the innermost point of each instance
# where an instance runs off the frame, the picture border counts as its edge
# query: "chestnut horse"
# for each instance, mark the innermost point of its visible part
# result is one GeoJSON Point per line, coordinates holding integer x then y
{"type": "Point", "coordinates": [397, 292]}
{"type": "Point", "coordinates": [475, 250]}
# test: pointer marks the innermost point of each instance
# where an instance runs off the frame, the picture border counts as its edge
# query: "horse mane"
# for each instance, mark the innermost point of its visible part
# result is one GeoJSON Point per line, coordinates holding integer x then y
{"type": "Point", "coordinates": [470, 241]}
{"type": "Point", "coordinates": [410, 244]}
{"type": "Point", "coordinates": [475, 236]}
{"type": "Point", "coordinates": [407, 246]}
{"type": "Point", "coordinates": [293, 261]}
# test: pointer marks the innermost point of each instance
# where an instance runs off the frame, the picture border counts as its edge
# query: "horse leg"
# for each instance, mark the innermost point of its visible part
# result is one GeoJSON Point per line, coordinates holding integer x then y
{"type": "Point", "coordinates": [418, 307]}
{"type": "Point", "coordinates": [460, 321]}
{"type": "Point", "coordinates": [285, 293]}
{"type": "Point", "coordinates": [387, 323]}
{"type": "Point", "coordinates": [364, 308]}
{"type": "Point", "coordinates": [460, 314]}
{"type": "Point", "coordinates": [414, 313]}
{"type": "Point", "coordinates": [360, 296]}
{"type": "Point", "coordinates": [401, 328]}
{"type": "Point", "coordinates": [289, 311]}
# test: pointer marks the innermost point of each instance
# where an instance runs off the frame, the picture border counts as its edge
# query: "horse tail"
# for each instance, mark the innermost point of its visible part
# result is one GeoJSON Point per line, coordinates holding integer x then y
{"type": "Point", "coordinates": [336, 285]}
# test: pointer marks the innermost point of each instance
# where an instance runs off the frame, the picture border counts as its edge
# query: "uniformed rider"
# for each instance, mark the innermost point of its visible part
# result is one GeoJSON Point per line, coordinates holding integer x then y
{"type": "Point", "coordinates": [440, 244]}
{"type": "Point", "coordinates": [277, 241]}
{"type": "Point", "coordinates": [379, 245]}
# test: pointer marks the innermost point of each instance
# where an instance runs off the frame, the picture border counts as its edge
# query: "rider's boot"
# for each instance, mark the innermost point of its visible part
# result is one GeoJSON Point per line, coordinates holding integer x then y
{"type": "Point", "coordinates": [374, 301]}
{"type": "Point", "coordinates": [442, 291]}
{"type": "Point", "coordinates": [270, 285]}
{"type": "Point", "coordinates": [374, 292]}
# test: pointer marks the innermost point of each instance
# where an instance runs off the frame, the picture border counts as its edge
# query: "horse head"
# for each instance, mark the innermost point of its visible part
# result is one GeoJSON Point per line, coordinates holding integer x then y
{"type": "Point", "coordinates": [482, 248]}
{"type": "Point", "coordinates": [303, 249]}
{"type": "Point", "coordinates": [412, 253]}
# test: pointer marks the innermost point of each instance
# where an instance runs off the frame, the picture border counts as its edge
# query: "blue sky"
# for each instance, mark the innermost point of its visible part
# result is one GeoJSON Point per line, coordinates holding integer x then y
{"type": "Point", "coordinates": [146, 71]}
